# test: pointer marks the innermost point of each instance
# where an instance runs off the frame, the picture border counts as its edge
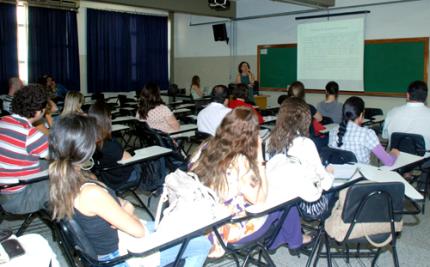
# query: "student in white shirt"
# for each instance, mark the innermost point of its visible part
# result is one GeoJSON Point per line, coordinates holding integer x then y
{"type": "Point", "coordinates": [290, 137]}
{"type": "Point", "coordinates": [413, 117]}
{"type": "Point", "coordinates": [211, 116]}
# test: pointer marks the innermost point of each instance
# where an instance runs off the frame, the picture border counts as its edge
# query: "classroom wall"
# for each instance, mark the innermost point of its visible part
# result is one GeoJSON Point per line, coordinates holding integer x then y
{"type": "Point", "coordinates": [216, 62]}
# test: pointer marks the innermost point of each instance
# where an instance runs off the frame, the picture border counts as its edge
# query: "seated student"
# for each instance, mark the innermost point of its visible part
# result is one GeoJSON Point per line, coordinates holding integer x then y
{"type": "Point", "coordinates": [349, 135]}
{"type": "Point", "coordinates": [413, 117]}
{"type": "Point", "coordinates": [73, 103]}
{"type": "Point", "coordinates": [153, 110]}
{"type": "Point", "coordinates": [239, 97]}
{"type": "Point", "coordinates": [21, 147]}
{"type": "Point", "coordinates": [74, 193]}
{"type": "Point", "coordinates": [109, 151]}
{"type": "Point", "coordinates": [290, 137]}
{"type": "Point", "coordinates": [211, 116]}
{"type": "Point", "coordinates": [57, 91]}
{"type": "Point", "coordinates": [297, 89]}
{"type": "Point", "coordinates": [330, 107]}
{"type": "Point", "coordinates": [14, 85]}
{"type": "Point", "coordinates": [231, 163]}
{"type": "Point", "coordinates": [196, 90]}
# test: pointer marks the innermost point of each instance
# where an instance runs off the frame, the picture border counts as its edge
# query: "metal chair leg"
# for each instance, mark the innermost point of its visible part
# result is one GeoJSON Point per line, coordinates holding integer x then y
{"type": "Point", "coordinates": [142, 205]}
{"type": "Point", "coordinates": [395, 257]}
{"type": "Point", "coordinates": [28, 219]}
{"type": "Point", "coordinates": [318, 253]}
{"type": "Point", "coordinates": [327, 247]}
{"type": "Point", "coordinates": [376, 257]}
{"type": "Point", "coordinates": [314, 247]}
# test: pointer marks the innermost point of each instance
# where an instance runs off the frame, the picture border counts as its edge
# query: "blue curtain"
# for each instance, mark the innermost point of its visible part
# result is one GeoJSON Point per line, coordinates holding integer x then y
{"type": "Point", "coordinates": [8, 45]}
{"type": "Point", "coordinates": [53, 46]}
{"type": "Point", "coordinates": [125, 51]}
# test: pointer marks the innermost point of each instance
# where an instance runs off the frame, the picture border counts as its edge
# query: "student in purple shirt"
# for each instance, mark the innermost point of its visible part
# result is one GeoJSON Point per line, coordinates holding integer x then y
{"type": "Point", "coordinates": [351, 136]}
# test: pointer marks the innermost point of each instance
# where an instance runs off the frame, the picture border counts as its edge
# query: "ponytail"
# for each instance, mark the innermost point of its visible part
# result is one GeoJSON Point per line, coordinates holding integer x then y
{"type": "Point", "coordinates": [62, 192]}
{"type": "Point", "coordinates": [351, 110]}
{"type": "Point", "coordinates": [341, 132]}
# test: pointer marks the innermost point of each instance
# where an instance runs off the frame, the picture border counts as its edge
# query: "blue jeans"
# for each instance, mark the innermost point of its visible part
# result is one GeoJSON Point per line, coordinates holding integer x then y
{"type": "Point", "coordinates": [195, 253]}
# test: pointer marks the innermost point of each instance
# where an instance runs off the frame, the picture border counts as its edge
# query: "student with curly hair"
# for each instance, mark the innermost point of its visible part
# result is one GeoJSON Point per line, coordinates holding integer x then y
{"type": "Point", "coordinates": [351, 136]}
{"type": "Point", "coordinates": [21, 147]}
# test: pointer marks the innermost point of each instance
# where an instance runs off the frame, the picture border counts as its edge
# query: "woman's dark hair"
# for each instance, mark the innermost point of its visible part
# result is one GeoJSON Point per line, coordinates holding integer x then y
{"type": "Point", "coordinates": [351, 110]}
{"type": "Point", "coordinates": [297, 89]}
{"type": "Point", "coordinates": [294, 118]}
{"type": "Point", "coordinates": [240, 91]}
{"type": "Point", "coordinates": [240, 66]}
{"type": "Point", "coordinates": [417, 91]}
{"type": "Point", "coordinates": [332, 88]}
{"type": "Point", "coordinates": [29, 100]}
{"type": "Point", "coordinates": [195, 80]}
{"type": "Point", "coordinates": [149, 99]}
{"type": "Point", "coordinates": [72, 142]}
{"type": "Point", "coordinates": [102, 115]}
{"type": "Point", "coordinates": [281, 99]}
{"type": "Point", "coordinates": [219, 93]}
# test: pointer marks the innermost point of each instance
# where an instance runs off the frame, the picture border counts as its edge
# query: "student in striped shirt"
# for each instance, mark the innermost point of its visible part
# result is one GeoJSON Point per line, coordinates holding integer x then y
{"type": "Point", "coordinates": [21, 147]}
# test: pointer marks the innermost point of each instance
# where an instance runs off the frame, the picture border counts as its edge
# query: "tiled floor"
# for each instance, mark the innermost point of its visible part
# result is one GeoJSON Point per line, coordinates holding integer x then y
{"type": "Point", "coordinates": [413, 245]}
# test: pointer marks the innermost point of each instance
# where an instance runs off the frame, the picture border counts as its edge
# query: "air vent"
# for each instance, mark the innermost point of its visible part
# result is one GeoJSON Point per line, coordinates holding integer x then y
{"type": "Point", "coordinates": [62, 4]}
{"type": "Point", "coordinates": [310, 3]}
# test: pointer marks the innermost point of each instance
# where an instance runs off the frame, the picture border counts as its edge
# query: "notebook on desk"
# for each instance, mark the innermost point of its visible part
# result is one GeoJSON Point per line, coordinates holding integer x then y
{"type": "Point", "coordinates": [344, 171]}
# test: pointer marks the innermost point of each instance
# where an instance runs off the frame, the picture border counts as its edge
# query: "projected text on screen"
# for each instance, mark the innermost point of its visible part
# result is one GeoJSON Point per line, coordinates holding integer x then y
{"type": "Point", "coordinates": [331, 50]}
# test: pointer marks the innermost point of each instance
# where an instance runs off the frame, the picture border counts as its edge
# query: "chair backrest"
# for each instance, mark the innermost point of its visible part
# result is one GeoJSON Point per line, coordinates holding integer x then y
{"type": "Point", "coordinates": [373, 202]}
{"type": "Point", "coordinates": [201, 136]}
{"type": "Point", "coordinates": [122, 100]}
{"type": "Point", "coordinates": [153, 137]}
{"type": "Point", "coordinates": [409, 143]}
{"type": "Point", "coordinates": [98, 97]}
{"type": "Point", "coordinates": [75, 239]}
{"type": "Point", "coordinates": [173, 89]}
{"type": "Point", "coordinates": [370, 112]}
{"type": "Point", "coordinates": [326, 120]}
{"type": "Point", "coordinates": [336, 156]}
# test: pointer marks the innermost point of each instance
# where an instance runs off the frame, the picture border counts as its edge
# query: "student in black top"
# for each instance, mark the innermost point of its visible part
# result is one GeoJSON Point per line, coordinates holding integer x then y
{"type": "Point", "coordinates": [108, 221]}
{"type": "Point", "coordinates": [109, 151]}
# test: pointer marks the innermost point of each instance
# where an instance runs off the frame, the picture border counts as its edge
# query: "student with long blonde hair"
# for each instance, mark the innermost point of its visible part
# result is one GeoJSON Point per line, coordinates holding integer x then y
{"type": "Point", "coordinates": [73, 103]}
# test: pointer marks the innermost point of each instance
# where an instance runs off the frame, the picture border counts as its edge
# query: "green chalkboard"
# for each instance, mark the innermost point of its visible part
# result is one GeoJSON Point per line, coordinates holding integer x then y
{"type": "Point", "coordinates": [389, 65]}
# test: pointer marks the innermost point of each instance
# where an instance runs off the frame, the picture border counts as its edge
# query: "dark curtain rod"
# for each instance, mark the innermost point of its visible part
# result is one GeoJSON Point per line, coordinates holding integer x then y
{"type": "Point", "coordinates": [334, 15]}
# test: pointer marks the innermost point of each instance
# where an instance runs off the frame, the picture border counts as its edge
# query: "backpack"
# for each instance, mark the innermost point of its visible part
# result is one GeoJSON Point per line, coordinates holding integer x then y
{"type": "Point", "coordinates": [192, 205]}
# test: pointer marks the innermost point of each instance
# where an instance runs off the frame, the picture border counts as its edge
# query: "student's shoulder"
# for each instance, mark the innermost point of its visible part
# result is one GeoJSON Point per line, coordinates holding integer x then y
{"type": "Point", "coordinates": [93, 191]}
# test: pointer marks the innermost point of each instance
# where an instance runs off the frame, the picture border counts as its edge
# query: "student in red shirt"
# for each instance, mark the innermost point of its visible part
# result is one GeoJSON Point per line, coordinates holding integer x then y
{"type": "Point", "coordinates": [21, 147]}
{"type": "Point", "coordinates": [239, 96]}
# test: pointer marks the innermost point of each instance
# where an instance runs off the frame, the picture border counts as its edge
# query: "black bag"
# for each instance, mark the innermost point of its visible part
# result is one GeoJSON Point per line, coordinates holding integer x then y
{"type": "Point", "coordinates": [153, 174]}
{"type": "Point", "coordinates": [314, 210]}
